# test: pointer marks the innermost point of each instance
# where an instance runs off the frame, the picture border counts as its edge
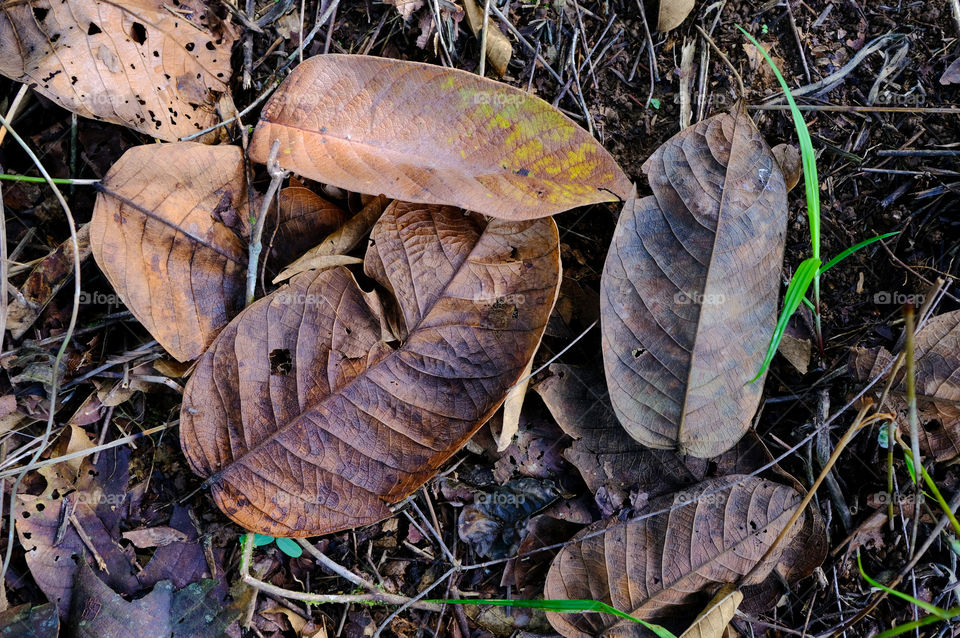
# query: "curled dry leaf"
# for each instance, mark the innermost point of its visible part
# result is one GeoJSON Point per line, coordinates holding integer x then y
{"type": "Point", "coordinates": [690, 286]}
{"type": "Point", "coordinates": [672, 13]}
{"type": "Point", "coordinates": [304, 216]}
{"type": "Point", "coordinates": [305, 421]}
{"type": "Point", "coordinates": [790, 162]}
{"type": "Point", "coordinates": [654, 567]}
{"type": "Point", "coordinates": [937, 353]}
{"type": "Point", "coordinates": [161, 232]}
{"type": "Point", "coordinates": [426, 134]}
{"type": "Point", "coordinates": [139, 63]}
{"type": "Point", "coordinates": [713, 621]}
{"type": "Point", "coordinates": [499, 50]}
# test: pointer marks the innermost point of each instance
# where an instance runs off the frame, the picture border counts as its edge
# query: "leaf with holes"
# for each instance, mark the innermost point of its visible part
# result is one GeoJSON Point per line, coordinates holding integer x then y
{"type": "Point", "coordinates": [937, 352]}
{"type": "Point", "coordinates": [305, 420]}
{"type": "Point", "coordinates": [690, 286]}
{"type": "Point", "coordinates": [422, 133]}
{"type": "Point", "coordinates": [655, 567]}
{"type": "Point", "coordinates": [141, 63]}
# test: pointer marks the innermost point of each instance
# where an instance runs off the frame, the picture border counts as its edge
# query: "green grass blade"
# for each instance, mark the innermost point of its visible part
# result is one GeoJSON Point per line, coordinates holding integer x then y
{"type": "Point", "coordinates": [563, 607]}
{"type": "Point", "coordinates": [796, 292]}
{"type": "Point", "coordinates": [910, 626]}
{"type": "Point", "coordinates": [41, 180]}
{"type": "Point", "coordinates": [941, 614]}
{"type": "Point", "coordinates": [849, 251]}
{"type": "Point", "coordinates": [932, 486]}
{"type": "Point", "coordinates": [807, 156]}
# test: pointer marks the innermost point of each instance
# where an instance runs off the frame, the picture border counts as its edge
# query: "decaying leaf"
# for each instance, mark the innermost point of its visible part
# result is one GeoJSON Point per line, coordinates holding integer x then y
{"type": "Point", "coordinates": [332, 250]}
{"type": "Point", "coordinates": [937, 352]}
{"type": "Point", "coordinates": [713, 621]}
{"type": "Point", "coordinates": [44, 282]}
{"type": "Point", "coordinates": [672, 13]}
{"type": "Point", "coordinates": [790, 162]}
{"type": "Point", "coordinates": [604, 453]}
{"type": "Point", "coordinates": [690, 287]}
{"type": "Point", "coordinates": [303, 217]}
{"type": "Point", "coordinates": [160, 234]}
{"type": "Point", "coordinates": [426, 134]}
{"type": "Point", "coordinates": [25, 621]}
{"type": "Point", "coordinates": [499, 50]}
{"type": "Point", "coordinates": [304, 421]}
{"type": "Point", "coordinates": [142, 63]}
{"type": "Point", "coordinates": [654, 567]}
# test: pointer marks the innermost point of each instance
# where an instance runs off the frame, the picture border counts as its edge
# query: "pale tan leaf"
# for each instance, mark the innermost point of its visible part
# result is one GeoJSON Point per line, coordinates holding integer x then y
{"type": "Point", "coordinates": [672, 13]}
{"type": "Point", "coordinates": [152, 65]}
{"type": "Point", "coordinates": [511, 410]}
{"type": "Point", "coordinates": [315, 262]}
{"type": "Point", "coordinates": [713, 621]}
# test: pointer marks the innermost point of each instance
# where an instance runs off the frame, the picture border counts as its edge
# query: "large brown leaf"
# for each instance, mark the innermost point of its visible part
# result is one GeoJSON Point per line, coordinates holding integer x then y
{"type": "Point", "coordinates": [654, 567]}
{"type": "Point", "coordinates": [422, 133]}
{"type": "Point", "coordinates": [142, 63]}
{"type": "Point", "coordinates": [689, 289]}
{"type": "Point", "coordinates": [163, 233]}
{"type": "Point", "coordinates": [305, 421]}
{"type": "Point", "coordinates": [937, 354]}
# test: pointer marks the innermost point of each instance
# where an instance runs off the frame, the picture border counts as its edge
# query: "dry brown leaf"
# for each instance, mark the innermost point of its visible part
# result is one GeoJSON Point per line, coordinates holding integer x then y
{"type": "Point", "coordinates": [426, 134]}
{"type": "Point", "coordinates": [796, 351]}
{"type": "Point", "coordinates": [654, 567]}
{"type": "Point", "coordinates": [937, 353]}
{"type": "Point", "coordinates": [672, 13]}
{"type": "Point", "coordinates": [140, 63]}
{"type": "Point", "coordinates": [154, 536]}
{"type": "Point", "coordinates": [952, 73]}
{"type": "Point", "coordinates": [304, 421]}
{"type": "Point", "coordinates": [338, 243]}
{"type": "Point", "coordinates": [316, 262]}
{"type": "Point", "coordinates": [44, 282]}
{"type": "Point", "coordinates": [690, 288]}
{"type": "Point", "coordinates": [512, 407]}
{"type": "Point", "coordinates": [790, 162]}
{"type": "Point", "coordinates": [499, 49]}
{"type": "Point", "coordinates": [159, 233]}
{"type": "Point", "coordinates": [303, 217]}
{"type": "Point", "coordinates": [713, 621]}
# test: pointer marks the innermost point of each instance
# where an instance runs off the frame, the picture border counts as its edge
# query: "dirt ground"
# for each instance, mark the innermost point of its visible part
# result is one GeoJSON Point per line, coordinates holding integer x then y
{"type": "Point", "coordinates": [633, 107]}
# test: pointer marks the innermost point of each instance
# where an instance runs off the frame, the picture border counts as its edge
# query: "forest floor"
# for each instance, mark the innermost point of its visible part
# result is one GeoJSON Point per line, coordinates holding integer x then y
{"type": "Point", "coordinates": [876, 176]}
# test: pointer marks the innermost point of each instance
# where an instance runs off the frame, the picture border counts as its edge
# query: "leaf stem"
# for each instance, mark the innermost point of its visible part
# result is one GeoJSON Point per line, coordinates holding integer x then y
{"type": "Point", "coordinates": [277, 175]}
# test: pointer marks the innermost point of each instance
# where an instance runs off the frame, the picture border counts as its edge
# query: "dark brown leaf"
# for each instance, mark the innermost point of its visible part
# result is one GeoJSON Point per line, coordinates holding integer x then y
{"type": "Point", "coordinates": [690, 287]}
{"type": "Point", "coordinates": [354, 424]}
{"type": "Point", "coordinates": [655, 567]}
{"type": "Point", "coordinates": [422, 133]}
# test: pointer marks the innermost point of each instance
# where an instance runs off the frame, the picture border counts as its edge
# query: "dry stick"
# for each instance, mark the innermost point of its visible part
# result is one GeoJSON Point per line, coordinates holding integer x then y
{"type": "Point", "coordinates": [414, 601]}
{"type": "Point", "coordinates": [276, 177]}
{"type": "Point", "coordinates": [273, 590]}
{"type": "Point", "coordinates": [524, 42]}
{"type": "Point", "coordinates": [840, 108]}
{"type": "Point", "coordinates": [54, 380]}
{"type": "Point", "coordinates": [12, 111]}
{"type": "Point", "coordinates": [726, 60]}
{"type": "Point", "coordinates": [483, 37]}
{"type": "Point", "coordinates": [912, 420]}
{"type": "Point", "coordinates": [857, 424]}
{"type": "Point", "coordinates": [796, 35]}
{"type": "Point", "coordinates": [651, 53]}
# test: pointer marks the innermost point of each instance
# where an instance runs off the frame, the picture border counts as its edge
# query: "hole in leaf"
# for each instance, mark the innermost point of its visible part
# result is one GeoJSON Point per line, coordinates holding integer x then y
{"type": "Point", "coordinates": [40, 14]}
{"type": "Point", "coordinates": [93, 29]}
{"type": "Point", "coordinates": [932, 425]}
{"type": "Point", "coordinates": [190, 46]}
{"type": "Point", "coordinates": [280, 361]}
{"type": "Point", "coordinates": [138, 32]}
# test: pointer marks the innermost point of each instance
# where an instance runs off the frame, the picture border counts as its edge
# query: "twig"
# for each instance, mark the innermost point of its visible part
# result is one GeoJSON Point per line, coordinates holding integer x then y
{"type": "Point", "coordinates": [524, 42]}
{"type": "Point", "coordinates": [912, 421]}
{"type": "Point", "coordinates": [483, 37]}
{"type": "Point", "coordinates": [650, 52]}
{"type": "Point", "coordinates": [726, 60]}
{"type": "Point", "coordinates": [12, 111]}
{"type": "Point", "coordinates": [277, 175]}
{"type": "Point", "coordinates": [796, 36]}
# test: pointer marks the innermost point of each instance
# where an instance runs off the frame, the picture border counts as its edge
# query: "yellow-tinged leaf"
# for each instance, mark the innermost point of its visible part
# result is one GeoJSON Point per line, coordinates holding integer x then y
{"type": "Point", "coordinates": [426, 134]}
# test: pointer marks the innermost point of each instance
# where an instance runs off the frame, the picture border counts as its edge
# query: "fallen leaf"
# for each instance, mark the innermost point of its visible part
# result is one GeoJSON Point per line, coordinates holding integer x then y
{"type": "Point", "coordinates": [672, 13]}
{"type": "Point", "coordinates": [25, 621]}
{"type": "Point", "coordinates": [140, 63]}
{"type": "Point", "coordinates": [492, 524]}
{"type": "Point", "coordinates": [99, 612]}
{"type": "Point", "coordinates": [44, 282]}
{"type": "Point", "coordinates": [303, 217]}
{"type": "Point", "coordinates": [426, 134]}
{"type": "Point", "coordinates": [937, 354]}
{"type": "Point", "coordinates": [334, 248]}
{"type": "Point", "coordinates": [512, 406]}
{"type": "Point", "coordinates": [154, 536]}
{"type": "Point", "coordinates": [157, 234]}
{"type": "Point", "coordinates": [406, 7]}
{"type": "Point", "coordinates": [653, 567]}
{"type": "Point", "coordinates": [796, 351]}
{"type": "Point", "coordinates": [952, 73]}
{"type": "Point", "coordinates": [603, 452]}
{"type": "Point", "coordinates": [499, 50]}
{"type": "Point", "coordinates": [304, 421]}
{"type": "Point", "coordinates": [712, 621]}
{"type": "Point", "coordinates": [690, 288]}
{"type": "Point", "coordinates": [790, 162]}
